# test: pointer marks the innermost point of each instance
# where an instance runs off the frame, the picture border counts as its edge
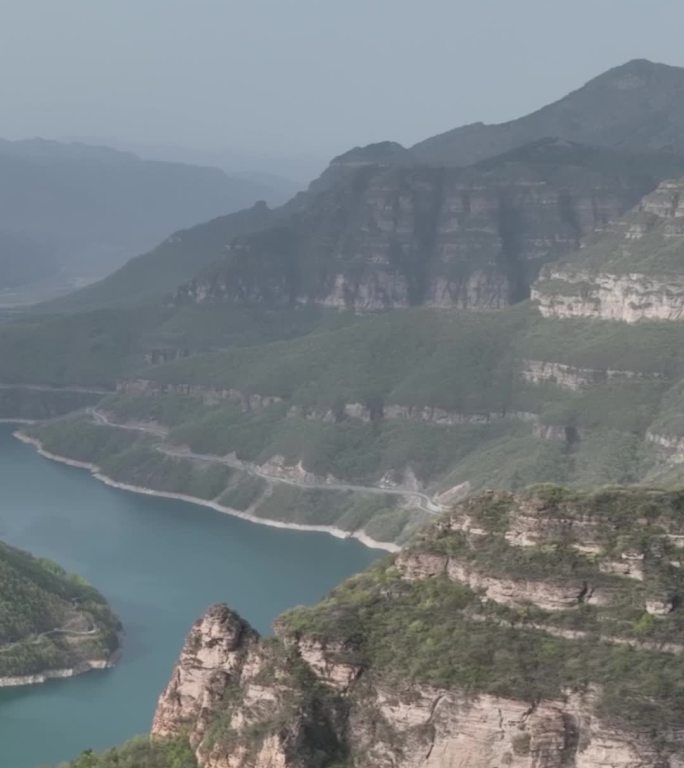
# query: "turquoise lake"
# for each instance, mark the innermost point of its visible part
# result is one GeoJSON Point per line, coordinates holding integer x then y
{"type": "Point", "coordinates": [160, 563]}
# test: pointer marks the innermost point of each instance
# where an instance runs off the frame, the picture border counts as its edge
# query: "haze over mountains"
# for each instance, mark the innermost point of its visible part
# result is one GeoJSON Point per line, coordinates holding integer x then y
{"type": "Point", "coordinates": [385, 226]}
{"type": "Point", "coordinates": [495, 307]}
{"type": "Point", "coordinates": [315, 333]}
{"type": "Point", "coordinates": [71, 213]}
{"type": "Point", "coordinates": [638, 106]}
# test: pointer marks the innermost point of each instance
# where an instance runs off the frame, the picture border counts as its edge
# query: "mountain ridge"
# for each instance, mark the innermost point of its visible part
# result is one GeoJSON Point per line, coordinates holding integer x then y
{"type": "Point", "coordinates": [85, 210]}
{"type": "Point", "coordinates": [646, 92]}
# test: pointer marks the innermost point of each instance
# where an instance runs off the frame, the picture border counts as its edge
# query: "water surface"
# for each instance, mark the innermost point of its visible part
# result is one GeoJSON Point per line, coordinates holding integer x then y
{"type": "Point", "coordinates": [161, 563]}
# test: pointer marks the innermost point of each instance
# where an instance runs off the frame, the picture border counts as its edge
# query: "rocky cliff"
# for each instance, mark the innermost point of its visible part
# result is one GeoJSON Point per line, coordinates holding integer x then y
{"type": "Point", "coordinates": [378, 231]}
{"type": "Point", "coordinates": [635, 271]}
{"type": "Point", "coordinates": [414, 664]}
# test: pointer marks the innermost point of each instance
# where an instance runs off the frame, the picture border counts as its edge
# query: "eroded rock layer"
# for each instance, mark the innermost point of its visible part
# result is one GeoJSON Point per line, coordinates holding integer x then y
{"type": "Point", "coordinates": [416, 664]}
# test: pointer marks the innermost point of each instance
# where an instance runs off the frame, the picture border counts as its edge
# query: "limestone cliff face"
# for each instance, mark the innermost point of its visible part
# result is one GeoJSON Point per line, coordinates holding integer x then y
{"type": "Point", "coordinates": [575, 379]}
{"type": "Point", "coordinates": [635, 272]}
{"type": "Point", "coordinates": [377, 232]}
{"type": "Point", "coordinates": [242, 709]}
{"type": "Point", "coordinates": [371, 677]}
{"type": "Point", "coordinates": [211, 660]}
{"type": "Point", "coordinates": [227, 685]}
{"type": "Point", "coordinates": [629, 298]}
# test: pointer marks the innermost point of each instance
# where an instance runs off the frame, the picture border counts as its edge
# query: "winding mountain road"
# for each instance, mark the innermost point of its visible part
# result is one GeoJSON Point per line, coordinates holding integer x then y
{"type": "Point", "coordinates": [424, 502]}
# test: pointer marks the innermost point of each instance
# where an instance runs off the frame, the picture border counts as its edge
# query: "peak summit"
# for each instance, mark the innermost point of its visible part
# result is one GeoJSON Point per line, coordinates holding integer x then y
{"type": "Point", "coordinates": [637, 106]}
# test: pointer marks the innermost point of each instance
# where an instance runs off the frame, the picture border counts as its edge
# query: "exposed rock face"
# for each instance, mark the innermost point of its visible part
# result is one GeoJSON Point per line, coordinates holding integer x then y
{"type": "Point", "coordinates": [326, 691]}
{"type": "Point", "coordinates": [226, 673]}
{"type": "Point", "coordinates": [546, 595]}
{"type": "Point", "coordinates": [573, 378]}
{"type": "Point", "coordinates": [374, 725]}
{"type": "Point", "coordinates": [211, 660]}
{"type": "Point", "coordinates": [376, 232]}
{"type": "Point", "coordinates": [634, 272]}
{"type": "Point", "coordinates": [207, 394]}
{"type": "Point", "coordinates": [629, 298]}
{"type": "Point", "coordinates": [434, 729]}
{"type": "Point", "coordinates": [210, 395]}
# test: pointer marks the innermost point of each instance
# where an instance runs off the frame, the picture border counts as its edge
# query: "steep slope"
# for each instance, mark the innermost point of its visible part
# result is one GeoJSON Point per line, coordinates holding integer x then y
{"type": "Point", "coordinates": [373, 426]}
{"type": "Point", "coordinates": [635, 271]}
{"type": "Point", "coordinates": [636, 106]}
{"type": "Point", "coordinates": [151, 276]}
{"type": "Point", "coordinates": [88, 209]}
{"type": "Point", "coordinates": [556, 644]}
{"type": "Point", "coordinates": [52, 624]}
{"type": "Point", "coordinates": [377, 231]}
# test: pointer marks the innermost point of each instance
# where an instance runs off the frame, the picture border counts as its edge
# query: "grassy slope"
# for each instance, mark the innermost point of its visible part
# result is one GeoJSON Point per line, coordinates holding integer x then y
{"type": "Point", "coordinates": [386, 624]}
{"type": "Point", "coordinates": [96, 348]}
{"type": "Point", "coordinates": [455, 360]}
{"type": "Point", "coordinates": [37, 597]}
{"type": "Point", "coordinates": [153, 275]}
{"type": "Point", "coordinates": [467, 362]}
{"type": "Point", "coordinates": [132, 458]}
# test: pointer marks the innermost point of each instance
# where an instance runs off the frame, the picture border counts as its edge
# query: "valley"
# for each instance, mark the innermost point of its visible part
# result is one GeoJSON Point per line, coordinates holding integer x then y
{"type": "Point", "coordinates": [468, 353]}
{"type": "Point", "coordinates": [131, 547]}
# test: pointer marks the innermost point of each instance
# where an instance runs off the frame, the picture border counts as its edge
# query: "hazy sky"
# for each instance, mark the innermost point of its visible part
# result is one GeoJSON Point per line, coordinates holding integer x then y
{"type": "Point", "coordinates": [306, 76]}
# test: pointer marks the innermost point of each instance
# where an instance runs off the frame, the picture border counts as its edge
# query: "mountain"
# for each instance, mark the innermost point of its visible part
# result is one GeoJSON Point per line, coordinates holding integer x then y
{"type": "Point", "coordinates": [539, 629]}
{"type": "Point", "coordinates": [52, 624]}
{"type": "Point", "coordinates": [370, 422]}
{"type": "Point", "coordinates": [78, 212]}
{"type": "Point", "coordinates": [153, 275]}
{"type": "Point", "coordinates": [377, 230]}
{"type": "Point", "coordinates": [385, 226]}
{"type": "Point", "coordinates": [633, 272]}
{"type": "Point", "coordinates": [638, 106]}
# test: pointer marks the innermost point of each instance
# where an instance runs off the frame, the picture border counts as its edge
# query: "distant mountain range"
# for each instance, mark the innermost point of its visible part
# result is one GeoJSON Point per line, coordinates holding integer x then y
{"type": "Point", "coordinates": [71, 213]}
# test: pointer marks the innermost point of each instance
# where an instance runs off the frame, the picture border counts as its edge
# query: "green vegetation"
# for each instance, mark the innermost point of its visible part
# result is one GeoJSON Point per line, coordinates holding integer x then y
{"type": "Point", "coordinates": [454, 360]}
{"type": "Point", "coordinates": [145, 467]}
{"type": "Point", "coordinates": [92, 349]}
{"type": "Point", "coordinates": [649, 348]}
{"type": "Point", "coordinates": [49, 619]}
{"type": "Point", "coordinates": [387, 624]}
{"type": "Point", "coordinates": [133, 458]}
{"type": "Point", "coordinates": [656, 252]}
{"type": "Point", "coordinates": [37, 404]}
{"type": "Point", "coordinates": [139, 753]}
{"type": "Point", "coordinates": [78, 438]}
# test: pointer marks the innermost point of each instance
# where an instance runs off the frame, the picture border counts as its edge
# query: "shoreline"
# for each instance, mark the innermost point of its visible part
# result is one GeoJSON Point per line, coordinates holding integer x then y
{"type": "Point", "coordinates": [39, 678]}
{"type": "Point", "coordinates": [96, 472]}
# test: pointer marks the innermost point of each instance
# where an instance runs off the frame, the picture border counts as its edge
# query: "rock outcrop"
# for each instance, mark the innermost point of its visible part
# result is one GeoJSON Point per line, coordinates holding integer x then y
{"type": "Point", "coordinates": [575, 379]}
{"type": "Point", "coordinates": [628, 298]}
{"type": "Point", "coordinates": [634, 272]}
{"type": "Point", "coordinates": [378, 231]}
{"type": "Point", "coordinates": [376, 675]}
{"type": "Point", "coordinates": [226, 673]}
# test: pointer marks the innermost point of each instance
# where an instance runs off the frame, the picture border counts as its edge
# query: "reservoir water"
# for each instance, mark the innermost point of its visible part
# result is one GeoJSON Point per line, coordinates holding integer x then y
{"type": "Point", "coordinates": [160, 563]}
